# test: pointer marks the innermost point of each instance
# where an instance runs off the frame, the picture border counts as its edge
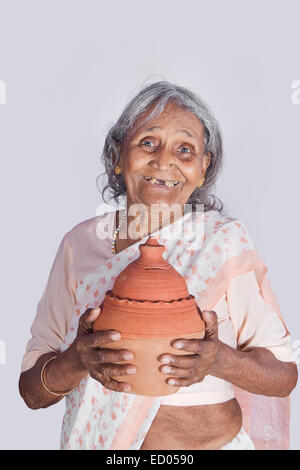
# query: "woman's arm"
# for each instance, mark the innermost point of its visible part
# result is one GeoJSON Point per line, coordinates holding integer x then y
{"type": "Point", "coordinates": [61, 374]}
{"type": "Point", "coordinates": [264, 349]}
{"type": "Point", "coordinates": [257, 371]}
{"type": "Point", "coordinates": [86, 355]}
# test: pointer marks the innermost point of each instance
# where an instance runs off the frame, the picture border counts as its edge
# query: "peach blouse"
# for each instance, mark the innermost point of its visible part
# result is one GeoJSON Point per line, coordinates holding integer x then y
{"type": "Point", "coordinates": [245, 318]}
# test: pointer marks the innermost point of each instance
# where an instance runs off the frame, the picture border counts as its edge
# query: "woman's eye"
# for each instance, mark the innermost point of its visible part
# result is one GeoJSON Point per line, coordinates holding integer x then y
{"type": "Point", "coordinates": [186, 148]}
{"type": "Point", "coordinates": [146, 142]}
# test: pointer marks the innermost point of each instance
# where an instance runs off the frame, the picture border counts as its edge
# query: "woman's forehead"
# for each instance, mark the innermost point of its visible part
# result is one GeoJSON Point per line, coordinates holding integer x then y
{"type": "Point", "coordinates": [174, 115]}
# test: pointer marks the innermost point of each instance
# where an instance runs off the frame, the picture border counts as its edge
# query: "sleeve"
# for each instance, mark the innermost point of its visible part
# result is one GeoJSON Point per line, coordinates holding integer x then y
{"type": "Point", "coordinates": [255, 320]}
{"type": "Point", "coordinates": [55, 308]}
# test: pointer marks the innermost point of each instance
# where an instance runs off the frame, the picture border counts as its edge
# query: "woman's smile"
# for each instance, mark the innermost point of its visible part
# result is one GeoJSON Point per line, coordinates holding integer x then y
{"type": "Point", "coordinates": [164, 184]}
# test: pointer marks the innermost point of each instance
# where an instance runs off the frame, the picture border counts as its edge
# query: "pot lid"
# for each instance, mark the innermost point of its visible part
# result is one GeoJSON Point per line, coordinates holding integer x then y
{"type": "Point", "coordinates": [150, 277]}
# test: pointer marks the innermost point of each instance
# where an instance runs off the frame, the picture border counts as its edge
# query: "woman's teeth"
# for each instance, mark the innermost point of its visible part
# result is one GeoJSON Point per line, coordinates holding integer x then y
{"type": "Point", "coordinates": [168, 183]}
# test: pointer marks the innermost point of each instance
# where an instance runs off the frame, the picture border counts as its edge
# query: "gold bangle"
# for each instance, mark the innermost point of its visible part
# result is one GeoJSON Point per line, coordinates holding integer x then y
{"type": "Point", "coordinates": [45, 386]}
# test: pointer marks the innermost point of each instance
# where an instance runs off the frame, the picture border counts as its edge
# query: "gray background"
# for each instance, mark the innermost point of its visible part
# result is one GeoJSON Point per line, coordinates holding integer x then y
{"type": "Point", "coordinates": [70, 67]}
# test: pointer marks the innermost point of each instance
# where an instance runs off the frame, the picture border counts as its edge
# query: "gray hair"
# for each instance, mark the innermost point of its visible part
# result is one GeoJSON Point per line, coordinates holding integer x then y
{"type": "Point", "coordinates": [162, 93]}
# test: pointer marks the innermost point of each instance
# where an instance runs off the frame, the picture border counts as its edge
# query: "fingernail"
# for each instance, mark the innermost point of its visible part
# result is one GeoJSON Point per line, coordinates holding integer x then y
{"type": "Point", "coordinates": [172, 382]}
{"type": "Point", "coordinates": [165, 360]}
{"type": "Point", "coordinates": [128, 355]}
{"type": "Point", "coordinates": [115, 336]}
{"type": "Point", "coordinates": [166, 369]}
{"type": "Point", "coordinates": [94, 312]}
{"type": "Point", "coordinates": [131, 370]}
{"type": "Point", "coordinates": [178, 345]}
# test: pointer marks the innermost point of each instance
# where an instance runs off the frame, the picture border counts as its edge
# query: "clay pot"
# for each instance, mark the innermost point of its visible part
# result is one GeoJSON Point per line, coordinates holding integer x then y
{"type": "Point", "coordinates": [150, 305]}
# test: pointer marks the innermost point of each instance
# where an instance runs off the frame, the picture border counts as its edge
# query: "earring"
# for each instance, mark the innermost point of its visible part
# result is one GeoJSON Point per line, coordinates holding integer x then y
{"type": "Point", "coordinates": [118, 170]}
{"type": "Point", "coordinates": [200, 183]}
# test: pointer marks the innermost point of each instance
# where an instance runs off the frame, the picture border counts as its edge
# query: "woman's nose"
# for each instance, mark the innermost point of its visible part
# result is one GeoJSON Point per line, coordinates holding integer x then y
{"type": "Point", "coordinates": [163, 160]}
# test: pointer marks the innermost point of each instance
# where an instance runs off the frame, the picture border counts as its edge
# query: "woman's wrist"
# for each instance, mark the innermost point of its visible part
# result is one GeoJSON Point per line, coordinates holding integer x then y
{"type": "Point", "coordinates": [64, 372]}
{"type": "Point", "coordinates": [74, 360]}
{"type": "Point", "coordinates": [227, 360]}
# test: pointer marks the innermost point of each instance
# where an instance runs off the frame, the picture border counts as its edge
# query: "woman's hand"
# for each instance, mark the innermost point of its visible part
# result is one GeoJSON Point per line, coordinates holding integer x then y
{"type": "Point", "coordinates": [256, 370]}
{"type": "Point", "coordinates": [96, 359]}
{"type": "Point", "coordinates": [192, 368]}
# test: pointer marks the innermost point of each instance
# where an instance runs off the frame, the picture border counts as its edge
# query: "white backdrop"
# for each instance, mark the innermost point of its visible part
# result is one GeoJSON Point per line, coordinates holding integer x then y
{"type": "Point", "coordinates": [67, 69]}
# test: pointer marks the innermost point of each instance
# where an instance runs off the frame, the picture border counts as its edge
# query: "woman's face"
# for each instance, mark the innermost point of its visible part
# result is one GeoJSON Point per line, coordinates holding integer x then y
{"type": "Point", "coordinates": [169, 149]}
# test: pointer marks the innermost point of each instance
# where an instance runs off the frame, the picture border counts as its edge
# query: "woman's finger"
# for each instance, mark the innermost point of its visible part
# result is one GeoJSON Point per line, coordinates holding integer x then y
{"type": "Point", "coordinates": [211, 323]}
{"type": "Point", "coordinates": [96, 340]}
{"type": "Point", "coordinates": [110, 383]}
{"type": "Point", "coordinates": [179, 382]}
{"type": "Point", "coordinates": [185, 361]}
{"type": "Point", "coordinates": [97, 356]}
{"type": "Point", "coordinates": [85, 324]}
{"type": "Point", "coordinates": [178, 372]}
{"type": "Point", "coordinates": [111, 370]}
{"type": "Point", "coordinates": [192, 345]}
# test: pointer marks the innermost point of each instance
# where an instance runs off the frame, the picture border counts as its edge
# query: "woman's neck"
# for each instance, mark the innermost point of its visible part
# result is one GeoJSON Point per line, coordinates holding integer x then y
{"type": "Point", "coordinates": [143, 220]}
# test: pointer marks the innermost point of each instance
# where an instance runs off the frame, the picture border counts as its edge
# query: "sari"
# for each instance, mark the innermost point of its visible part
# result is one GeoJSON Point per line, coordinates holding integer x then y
{"type": "Point", "coordinates": [208, 257]}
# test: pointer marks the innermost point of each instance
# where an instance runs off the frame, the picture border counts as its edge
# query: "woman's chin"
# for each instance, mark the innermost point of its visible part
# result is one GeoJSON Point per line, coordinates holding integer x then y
{"type": "Point", "coordinates": [161, 194]}
{"type": "Point", "coordinates": [160, 199]}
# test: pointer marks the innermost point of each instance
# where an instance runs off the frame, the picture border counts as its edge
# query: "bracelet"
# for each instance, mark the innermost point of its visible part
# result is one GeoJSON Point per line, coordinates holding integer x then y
{"type": "Point", "coordinates": [45, 386]}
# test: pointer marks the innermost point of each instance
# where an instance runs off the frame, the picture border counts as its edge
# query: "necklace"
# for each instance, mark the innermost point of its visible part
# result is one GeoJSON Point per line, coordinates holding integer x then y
{"type": "Point", "coordinates": [113, 245]}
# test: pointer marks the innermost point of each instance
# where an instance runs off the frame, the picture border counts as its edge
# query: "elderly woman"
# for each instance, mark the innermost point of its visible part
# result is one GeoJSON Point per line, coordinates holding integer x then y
{"type": "Point", "coordinates": [232, 386]}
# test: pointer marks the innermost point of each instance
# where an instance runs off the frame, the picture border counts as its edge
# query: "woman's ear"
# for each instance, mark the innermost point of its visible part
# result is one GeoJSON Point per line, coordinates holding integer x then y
{"type": "Point", "coordinates": [206, 161]}
{"type": "Point", "coordinates": [114, 156]}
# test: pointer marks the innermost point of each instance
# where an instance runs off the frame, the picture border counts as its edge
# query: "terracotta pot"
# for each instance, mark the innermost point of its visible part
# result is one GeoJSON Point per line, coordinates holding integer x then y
{"type": "Point", "coordinates": [150, 305]}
